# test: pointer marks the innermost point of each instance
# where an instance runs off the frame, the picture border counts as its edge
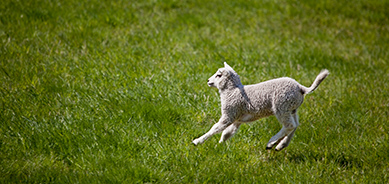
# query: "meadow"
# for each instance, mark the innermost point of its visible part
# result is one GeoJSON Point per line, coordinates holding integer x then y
{"type": "Point", "coordinates": [115, 91]}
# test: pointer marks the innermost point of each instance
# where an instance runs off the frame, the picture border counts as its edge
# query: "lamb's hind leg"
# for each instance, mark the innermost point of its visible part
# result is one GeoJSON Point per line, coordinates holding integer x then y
{"type": "Point", "coordinates": [285, 142]}
{"type": "Point", "coordinates": [288, 125]}
{"type": "Point", "coordinates": [229, 131]}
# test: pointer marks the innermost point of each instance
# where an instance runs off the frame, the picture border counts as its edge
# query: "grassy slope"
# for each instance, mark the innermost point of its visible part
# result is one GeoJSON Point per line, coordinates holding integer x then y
{"type": "Point", "coordinates": [114, 91]}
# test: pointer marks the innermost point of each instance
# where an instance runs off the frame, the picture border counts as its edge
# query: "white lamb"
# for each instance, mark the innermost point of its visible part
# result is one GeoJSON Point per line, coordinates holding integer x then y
{"type": "Point", "coordinates": [241, 104]}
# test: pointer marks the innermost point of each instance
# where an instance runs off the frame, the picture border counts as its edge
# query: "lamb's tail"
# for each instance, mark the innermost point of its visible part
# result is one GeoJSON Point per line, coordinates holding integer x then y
{"type": "Point", "coordinates": [323, 74]}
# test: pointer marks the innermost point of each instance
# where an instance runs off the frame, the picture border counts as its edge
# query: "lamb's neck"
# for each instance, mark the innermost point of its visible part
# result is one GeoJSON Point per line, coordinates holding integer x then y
{"type": "Point", "coordinates": [230, 92]}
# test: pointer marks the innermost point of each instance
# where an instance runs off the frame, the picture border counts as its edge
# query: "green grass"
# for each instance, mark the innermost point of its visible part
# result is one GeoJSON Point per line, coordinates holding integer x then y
{"type": "Point", "coordinates": [115, 91]}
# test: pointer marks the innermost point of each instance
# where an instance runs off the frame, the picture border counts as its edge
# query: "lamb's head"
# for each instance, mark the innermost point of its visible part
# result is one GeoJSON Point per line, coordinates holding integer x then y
{"type": "Point", "coordinates": [225, 78]}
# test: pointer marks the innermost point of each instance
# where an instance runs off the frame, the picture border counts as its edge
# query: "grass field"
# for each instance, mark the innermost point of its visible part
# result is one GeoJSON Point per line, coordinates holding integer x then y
{"type": "Point", "coordinates": [115, 91]}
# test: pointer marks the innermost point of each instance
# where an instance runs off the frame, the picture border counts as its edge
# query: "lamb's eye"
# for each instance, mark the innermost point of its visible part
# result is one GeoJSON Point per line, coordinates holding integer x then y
{"type": "Point", "coordinates": [219, 75]}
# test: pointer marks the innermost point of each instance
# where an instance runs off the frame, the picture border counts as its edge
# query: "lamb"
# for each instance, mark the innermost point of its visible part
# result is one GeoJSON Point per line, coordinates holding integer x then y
{"type": "Point", "coordinates": [241, 104]}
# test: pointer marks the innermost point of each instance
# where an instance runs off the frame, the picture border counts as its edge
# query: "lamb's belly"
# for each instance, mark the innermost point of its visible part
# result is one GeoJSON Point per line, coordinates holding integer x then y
{"type": "Point", "coordinates": [253, 117]}
{"type": "Point", "coordinates": [246, 118]}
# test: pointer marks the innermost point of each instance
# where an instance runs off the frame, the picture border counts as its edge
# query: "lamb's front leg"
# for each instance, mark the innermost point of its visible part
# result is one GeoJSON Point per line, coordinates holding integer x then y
{"type": "Point", "coordinates": [223, 123]}
{"type": "Point", "coordinates": [229, 131]}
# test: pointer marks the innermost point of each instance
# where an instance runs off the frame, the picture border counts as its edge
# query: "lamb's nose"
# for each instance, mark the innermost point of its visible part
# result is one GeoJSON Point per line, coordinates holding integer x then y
{"type": "Point", "coordinates": [208, 80]}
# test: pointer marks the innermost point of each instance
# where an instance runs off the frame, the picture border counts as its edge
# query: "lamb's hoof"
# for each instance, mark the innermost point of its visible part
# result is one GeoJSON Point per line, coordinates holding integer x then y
{"type": "Point", "coordinates": [268, 148]}
{"type": "Point", "coordinates": [195, 142]}
{"type": "Point", "coordinates": [279, 149]}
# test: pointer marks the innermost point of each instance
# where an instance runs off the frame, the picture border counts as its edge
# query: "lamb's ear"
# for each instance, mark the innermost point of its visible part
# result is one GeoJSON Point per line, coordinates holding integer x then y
{"type": "Point", "coordinates": [228, 67]}
{"type": "Point", "coordinates": [224, 72]}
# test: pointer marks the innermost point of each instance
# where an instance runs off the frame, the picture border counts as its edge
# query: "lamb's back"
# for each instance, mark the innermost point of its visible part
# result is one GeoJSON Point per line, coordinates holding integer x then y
{"type": "Point", "coordinates": [264, 92]}
{"type": "Point", "coordinates": [279, 84]}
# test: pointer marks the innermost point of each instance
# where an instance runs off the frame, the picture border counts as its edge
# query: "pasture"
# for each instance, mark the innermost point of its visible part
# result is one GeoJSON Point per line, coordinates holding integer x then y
{"type": "Point", "coordinates": [115, 91]}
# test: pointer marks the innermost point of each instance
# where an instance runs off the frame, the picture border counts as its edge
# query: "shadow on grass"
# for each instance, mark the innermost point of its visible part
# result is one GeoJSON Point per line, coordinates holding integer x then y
{"type": "Point", "coordinates": [343, 160]}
